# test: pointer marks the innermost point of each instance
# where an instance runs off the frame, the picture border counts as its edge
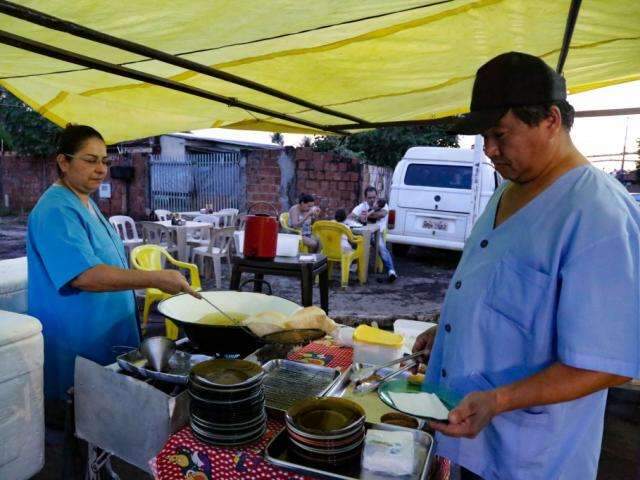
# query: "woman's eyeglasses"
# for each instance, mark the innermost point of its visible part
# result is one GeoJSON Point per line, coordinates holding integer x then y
{"type": "Point", "coordinates": [92, 160]}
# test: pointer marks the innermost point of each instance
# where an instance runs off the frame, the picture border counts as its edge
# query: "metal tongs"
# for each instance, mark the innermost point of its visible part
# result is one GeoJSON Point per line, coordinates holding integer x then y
{"type": "Point", "coordinates": [367, 379]}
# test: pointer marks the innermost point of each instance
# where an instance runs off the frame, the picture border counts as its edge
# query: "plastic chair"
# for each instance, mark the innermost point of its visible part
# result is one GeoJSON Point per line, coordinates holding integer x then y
{"type": "Point", "coordinates": [199, 238]}
{"type": "Point", "coordinates": [162, 215]}
{"type": "Point", "coordinates": [330, 235]}
{"type": "Point", "coordinates": [126, 228]}
{"type": "Point", "coordinates": [284, 225]}
{"type": "Point", "coordinates": [150, 258]}
{"type": "Point", "coordinates": [228, 216]}
{"type": "Point", "coordinates": [217, 248]}
{"type": "Point", "coordinates": [379, 268]}
{"type": "Point", "coordinates": [156, 234]}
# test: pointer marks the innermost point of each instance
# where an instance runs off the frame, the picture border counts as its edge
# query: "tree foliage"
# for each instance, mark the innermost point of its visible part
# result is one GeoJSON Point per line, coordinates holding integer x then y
{"type": "Point", "coordinates": [277, 138]}
{"type": "Point", "coordinates": [23, 130]}
{"type": "Point", "coordinates": [385, 146]}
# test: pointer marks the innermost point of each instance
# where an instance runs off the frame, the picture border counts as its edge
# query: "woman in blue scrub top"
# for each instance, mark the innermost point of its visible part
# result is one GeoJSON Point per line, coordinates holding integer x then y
{"type": "Point", "coordinates": [80, 285]}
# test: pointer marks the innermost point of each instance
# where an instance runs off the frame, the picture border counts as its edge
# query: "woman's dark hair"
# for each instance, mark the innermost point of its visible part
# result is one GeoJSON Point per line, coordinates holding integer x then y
{"type": "Point", "coordinates": [340, 215]}
{"type": "Point", "coordinates": [370, 188]}
{"type": "Point", "coordinates": [306, 198]}
{"type": "Point", "coordinates": [72, 138]}
{"type": "Point", "coordinates": [532, 115]}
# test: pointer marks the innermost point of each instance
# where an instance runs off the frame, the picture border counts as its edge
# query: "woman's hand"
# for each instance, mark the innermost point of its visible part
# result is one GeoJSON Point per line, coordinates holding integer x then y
{"type": "Point", "coordinates": [172, 281]}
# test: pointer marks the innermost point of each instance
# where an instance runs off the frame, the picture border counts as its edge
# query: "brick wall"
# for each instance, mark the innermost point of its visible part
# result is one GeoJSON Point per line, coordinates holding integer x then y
{"type": "Point", "coordinates": [332, 179]}
{"type": "Point", "coordinates": [277, 177]}
{"type": "Point", "coordinates": [24, 179]}
{"type": "Point", "coordinates": [137, 203]}
{"type": "Point", "coordinates": [263, 177]}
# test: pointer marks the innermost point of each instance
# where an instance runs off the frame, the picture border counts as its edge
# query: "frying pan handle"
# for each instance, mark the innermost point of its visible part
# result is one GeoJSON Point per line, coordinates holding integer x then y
{"type": "Point", "coordinates": [254, 281]}
{"type": "Point", "coordinates": [275, 210]}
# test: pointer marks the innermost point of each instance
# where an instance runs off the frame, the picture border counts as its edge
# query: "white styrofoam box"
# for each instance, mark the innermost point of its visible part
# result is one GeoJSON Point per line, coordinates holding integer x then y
{"type": "Point", "coordinates": [13, 285]}
{"type": "Point", "coordinates": [410, 329]}
{"type": "Point", "coordinates": [21, 396]}
{"type": "Point", "coordinates": [287, 245]}
{"type": "Point", "coordinates": [123, 415]}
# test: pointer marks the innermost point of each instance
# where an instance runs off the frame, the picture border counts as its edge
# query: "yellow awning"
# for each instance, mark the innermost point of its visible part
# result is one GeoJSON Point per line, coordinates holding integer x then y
{"type": "Point", "coordinates": [377, 61]}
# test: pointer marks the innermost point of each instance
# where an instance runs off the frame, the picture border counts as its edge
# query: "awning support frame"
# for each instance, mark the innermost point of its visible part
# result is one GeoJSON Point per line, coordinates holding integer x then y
{"type": "Point", "coordinates": [54, 23]}
{"type": "Point", "coordinates": [71, 57]}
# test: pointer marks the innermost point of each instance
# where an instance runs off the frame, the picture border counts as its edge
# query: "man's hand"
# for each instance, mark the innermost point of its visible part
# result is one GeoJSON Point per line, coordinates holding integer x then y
{"type": "Point", "coordinates": [424, 341]}
{"type": "Point", "coordinates": [172, 281]}
{"type": "Point", "coordinates": [469, 418]}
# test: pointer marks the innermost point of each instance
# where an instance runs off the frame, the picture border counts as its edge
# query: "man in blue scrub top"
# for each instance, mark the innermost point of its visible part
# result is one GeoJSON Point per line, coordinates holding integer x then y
{"type": "Point", "coordinates": [542, 315]}
{"type": "Point", "coordinates": [80, 285]}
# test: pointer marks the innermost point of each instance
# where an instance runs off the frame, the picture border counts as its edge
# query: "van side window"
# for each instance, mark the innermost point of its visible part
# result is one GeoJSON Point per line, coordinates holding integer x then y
{"type": "Point", "coordinates": [440, 176]}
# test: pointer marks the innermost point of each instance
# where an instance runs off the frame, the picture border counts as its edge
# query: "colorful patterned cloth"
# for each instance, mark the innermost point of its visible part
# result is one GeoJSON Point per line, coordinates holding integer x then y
{"type": "Point", "coordinates": [326, 353]}
{"type": "Point", "coordinates": [184, 457]}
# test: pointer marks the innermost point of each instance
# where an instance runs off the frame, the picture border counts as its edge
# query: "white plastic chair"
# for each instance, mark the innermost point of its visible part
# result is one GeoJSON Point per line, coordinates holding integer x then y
{"type": "Point", "coordinates": [157, 234]}
{"type": "Point", "coordinates": [126, 228]}
{"type": "Point", "coordinates": [228, 216]}
{"type": "Point", "coordinates": [217, 248]}
{"type": "Point", "coordinates": [162, 215]}
{"type": "Point", "coordinates": [199, 238]}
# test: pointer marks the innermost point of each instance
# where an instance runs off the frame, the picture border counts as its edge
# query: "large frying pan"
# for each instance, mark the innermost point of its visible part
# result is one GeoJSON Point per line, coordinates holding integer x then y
{"type": "Point", "coordinates": [185, 311]}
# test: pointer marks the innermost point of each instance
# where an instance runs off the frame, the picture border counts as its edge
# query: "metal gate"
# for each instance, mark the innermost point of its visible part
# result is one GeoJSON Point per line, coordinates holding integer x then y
{"type": "Point", "coordinates": [189, 182]}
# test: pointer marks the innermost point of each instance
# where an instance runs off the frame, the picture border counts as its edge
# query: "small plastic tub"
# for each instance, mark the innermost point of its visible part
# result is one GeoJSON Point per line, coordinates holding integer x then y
{"type": "Point", "coordinates": [373, 346]}
{"type": "Point", "coordinates": [287, 245]}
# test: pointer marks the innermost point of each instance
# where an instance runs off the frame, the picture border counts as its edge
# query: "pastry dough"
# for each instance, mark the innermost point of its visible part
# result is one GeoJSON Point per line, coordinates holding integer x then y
{"type": "Point", "coordinates": [265, 323]}
{"type": "Point", "coordinates": [311, 317]}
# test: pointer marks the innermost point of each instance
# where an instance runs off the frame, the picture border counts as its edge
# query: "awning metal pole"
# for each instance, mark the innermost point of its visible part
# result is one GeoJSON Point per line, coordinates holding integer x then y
{"type": "Point", "coordinates": [49, 21]}
{"type": "Point", "coordinates": [71, 57]}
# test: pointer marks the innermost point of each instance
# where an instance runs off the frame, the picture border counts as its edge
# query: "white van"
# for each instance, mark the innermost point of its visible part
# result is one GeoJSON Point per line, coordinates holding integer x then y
{"type": "Point", "coordinates": [437, 194]}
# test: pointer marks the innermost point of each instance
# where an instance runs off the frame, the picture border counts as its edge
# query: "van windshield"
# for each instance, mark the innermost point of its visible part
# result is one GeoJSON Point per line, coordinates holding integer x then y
{"type": "Point", "coordinates": [440, 176]}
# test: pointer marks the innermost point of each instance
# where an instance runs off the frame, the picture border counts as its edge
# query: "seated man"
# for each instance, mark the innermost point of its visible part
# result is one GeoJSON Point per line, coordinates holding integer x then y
{"type": "Point", "coordinates": [301, 216]}
{"type": "Point", "coordinates": [370, 211]}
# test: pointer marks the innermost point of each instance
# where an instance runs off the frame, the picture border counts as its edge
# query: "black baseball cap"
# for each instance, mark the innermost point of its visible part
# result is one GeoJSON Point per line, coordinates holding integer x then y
{"type": "Point", "coordinates": [509, 80]}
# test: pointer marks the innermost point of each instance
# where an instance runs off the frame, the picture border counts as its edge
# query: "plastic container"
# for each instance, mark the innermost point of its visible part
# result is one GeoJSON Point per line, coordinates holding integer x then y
{"type": "Point", "coordinates": [410, 329]}
{"type": "Point", "coordinates": [287, 245]}
{"type": "Point", "coordinates": [373, 346]}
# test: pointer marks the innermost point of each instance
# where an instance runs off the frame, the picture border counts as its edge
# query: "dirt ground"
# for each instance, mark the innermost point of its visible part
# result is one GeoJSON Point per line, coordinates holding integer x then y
{"type": "Point", "coordinates": [418, 293]}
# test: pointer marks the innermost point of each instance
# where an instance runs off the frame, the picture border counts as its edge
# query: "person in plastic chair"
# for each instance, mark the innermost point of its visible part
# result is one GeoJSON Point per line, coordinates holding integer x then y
{"type": "Point", "coordinates": [301, 216]}
{"type": "Point", "coordinates": [80, 284]}
{"type": "Point", "coordinates": [375, 210]}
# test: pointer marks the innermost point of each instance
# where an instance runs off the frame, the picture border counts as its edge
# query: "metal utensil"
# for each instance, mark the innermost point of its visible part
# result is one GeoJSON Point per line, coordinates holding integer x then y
{"type": "Point", "coordinates": [233, 320]}
{"type": "Point", "coordinates": [158, 351]}
{"type": "Point", "coordinates": [363, 373]}
{"type": "Point", "coordinates": [372, 382]}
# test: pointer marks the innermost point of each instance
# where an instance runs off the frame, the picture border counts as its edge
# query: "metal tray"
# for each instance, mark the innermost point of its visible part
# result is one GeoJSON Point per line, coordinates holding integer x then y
{"type": "Point", "coordinates": [278, 453]}
{"type": "Point", "coordinates": [287, 381]}
{"type": "Point", "coordinates": [343, 385]}
{"type": "Point", "coordinates": [179, 366]}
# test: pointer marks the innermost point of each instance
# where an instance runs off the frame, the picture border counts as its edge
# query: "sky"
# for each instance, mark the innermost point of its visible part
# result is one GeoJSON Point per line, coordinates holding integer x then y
{"type": "Point", "coordinates": [592, 136]}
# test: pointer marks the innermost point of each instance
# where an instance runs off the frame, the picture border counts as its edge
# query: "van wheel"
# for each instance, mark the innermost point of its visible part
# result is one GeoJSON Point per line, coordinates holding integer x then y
{"type": "Point", "coordinates": [400, 249]}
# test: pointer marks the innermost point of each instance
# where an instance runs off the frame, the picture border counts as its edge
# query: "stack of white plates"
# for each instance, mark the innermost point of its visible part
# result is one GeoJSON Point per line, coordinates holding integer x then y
{"type": "Point", "coordinates": [227, 402]}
